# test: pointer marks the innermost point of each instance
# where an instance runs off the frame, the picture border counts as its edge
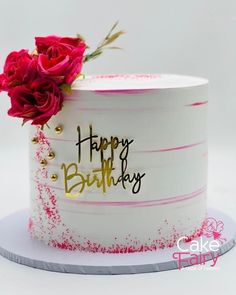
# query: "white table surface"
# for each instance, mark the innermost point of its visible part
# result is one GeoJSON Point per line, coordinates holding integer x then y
{"type": "Point", "coordinates": [19, 279]}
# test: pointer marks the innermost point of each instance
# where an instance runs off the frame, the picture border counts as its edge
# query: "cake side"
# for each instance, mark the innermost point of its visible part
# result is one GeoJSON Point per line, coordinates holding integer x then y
{"type": "Point", "coordinates": [121, 171]}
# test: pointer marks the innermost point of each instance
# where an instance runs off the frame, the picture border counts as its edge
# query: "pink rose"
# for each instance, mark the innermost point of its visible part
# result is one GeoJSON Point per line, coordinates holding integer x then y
{"type": "Point", "coordinates": [19, 68]}
{"type": "Point", "coordinates": [2, 81]}
{"type": "Point", "coordinates": [37, 101]}
{"type": "Point", "coordinates": [60, 58]}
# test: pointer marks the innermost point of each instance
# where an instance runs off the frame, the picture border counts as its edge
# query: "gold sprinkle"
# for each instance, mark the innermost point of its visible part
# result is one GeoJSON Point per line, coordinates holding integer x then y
{"type": "Point", "coordinates": [54, 177]}
{"type": "Point", "coordinates": [51, 155]}
{"type": "Point", "coordinates": [34, 140]}
{"type": "Point", "coordinates": [43, 162]}
{"type": "Point", "coordinates": [58, 129]}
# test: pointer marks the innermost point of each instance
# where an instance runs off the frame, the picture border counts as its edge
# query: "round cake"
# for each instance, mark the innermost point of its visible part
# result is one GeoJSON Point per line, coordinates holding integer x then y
{"type": "Point", "coordinates": [123, 167]}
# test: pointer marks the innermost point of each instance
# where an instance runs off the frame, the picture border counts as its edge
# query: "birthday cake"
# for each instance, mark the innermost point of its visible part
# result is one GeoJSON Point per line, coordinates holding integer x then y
{"type": "Point", "coordinates": [118, 163]}
{"type": "Point", "coordinates": [122, 167]}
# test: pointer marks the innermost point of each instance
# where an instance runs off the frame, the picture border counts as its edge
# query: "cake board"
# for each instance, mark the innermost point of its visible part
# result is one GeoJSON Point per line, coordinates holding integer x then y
{"type": "Point", "coordinates": [17, 246]}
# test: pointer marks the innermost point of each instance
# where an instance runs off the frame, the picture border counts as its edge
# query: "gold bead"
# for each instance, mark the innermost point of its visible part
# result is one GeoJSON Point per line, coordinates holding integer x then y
{"type": "Point", "coordinates": [43, 162]}
{"type": "Point", "coordinates": [34, 140]}
{"type": "Point", "coordinates": [58, 129]}
{"type": "Point", "coordinates": [80, 76]}
{"type": "Point", "coordinates": [54, 177]}
{"type": "Point", "coordinates": [51, 155]}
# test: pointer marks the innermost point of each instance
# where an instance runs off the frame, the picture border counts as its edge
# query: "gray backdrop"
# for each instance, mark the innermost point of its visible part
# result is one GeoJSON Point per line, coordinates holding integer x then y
{"type": "Point", "coordinates": [195, 37]}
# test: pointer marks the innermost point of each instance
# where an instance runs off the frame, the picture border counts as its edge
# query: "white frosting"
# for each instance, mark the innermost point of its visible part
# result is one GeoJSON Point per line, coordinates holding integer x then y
{"type": "Point", "coordinates": [137, 81]}
{"type": "Point", "coordinates": [168, 125]}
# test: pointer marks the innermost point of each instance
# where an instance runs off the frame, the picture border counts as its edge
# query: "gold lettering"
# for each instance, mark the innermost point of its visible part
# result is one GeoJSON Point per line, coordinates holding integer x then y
{"type": "Point", "coordinates": [75, 182]}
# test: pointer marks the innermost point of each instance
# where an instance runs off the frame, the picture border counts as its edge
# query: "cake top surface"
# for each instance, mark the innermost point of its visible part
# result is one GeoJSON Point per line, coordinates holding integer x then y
{"type": "Point", "coordinates": [137, 82]}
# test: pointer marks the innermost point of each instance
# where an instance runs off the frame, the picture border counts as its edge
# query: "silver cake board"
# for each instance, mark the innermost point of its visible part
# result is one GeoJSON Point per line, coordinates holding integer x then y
{"type": "Point", "coordinates": [17, 245]}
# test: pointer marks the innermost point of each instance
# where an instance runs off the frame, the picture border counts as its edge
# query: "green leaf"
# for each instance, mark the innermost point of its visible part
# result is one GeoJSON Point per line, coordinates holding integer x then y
{"type": "Point", "coordinates": [110, 37]}
{"type": "Point", "coordinates": [66, 88]}
{"type": "Point", "coordinates": [113, 37]}
{"type": "Point", "coordinates": [112, 29]}
{"type": "Point", "coordinates": [23, 122]}
{"type": "Point", "coordinates": [114, 47]}
{"type": "Point", "coordinates": [80, 76]}
{"type": "Point", "coordinates": [93, 55]}
{"type": "Point", "coordinates": [80, 36]}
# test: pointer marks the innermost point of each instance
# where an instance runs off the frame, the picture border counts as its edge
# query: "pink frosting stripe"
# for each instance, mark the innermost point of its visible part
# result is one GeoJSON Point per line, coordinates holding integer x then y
{"type": "Point", "coordinates": [173, 148]}
{"type": "Point", "coordinates": [155, 202]}
{"type": "Point", "coordinates": [119, 109]}
{"type": "Point", "coordinates": [198, 103]}
{"type": "Point", "coordinates": [61, 139]}
{"type": "Point", "coordinates": [162, 201]}
{"type": "Point", "coordinates": [125, 91]}
{"type": "Point", "coordinates": [150, 109]}
{"type": "Point", "coordinates": [145, 151]}
{"type": "Point", "coordinates": [176, 200]}
{"type": "Point", "coordinates": [134, 91]}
